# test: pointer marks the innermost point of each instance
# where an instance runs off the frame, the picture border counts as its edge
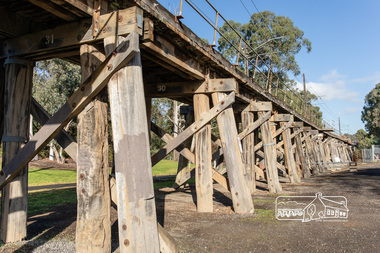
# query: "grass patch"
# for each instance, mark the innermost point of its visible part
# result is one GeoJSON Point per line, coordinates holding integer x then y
{"type": "Point", "coordinates": [165, 167]}
{"type": "Point", "coordinates": [46, 201]}
{"type": "Point", "coordinates": [264, 216]}
{"type": "Point", "coordinates": [39, 176]}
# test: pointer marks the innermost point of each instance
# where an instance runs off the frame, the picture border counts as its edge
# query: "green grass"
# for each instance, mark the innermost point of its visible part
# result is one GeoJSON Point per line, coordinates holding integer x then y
{"type": "Point", "coordinates": [165, 167]}
{"type": "Point", "coordinates": [39, 176]}
{"type": "Point", "coordinates": [46, 201]}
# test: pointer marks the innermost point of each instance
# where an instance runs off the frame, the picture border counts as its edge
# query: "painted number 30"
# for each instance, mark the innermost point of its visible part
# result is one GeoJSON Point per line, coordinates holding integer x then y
{"type": "Point", "coordinates": [161, 88]}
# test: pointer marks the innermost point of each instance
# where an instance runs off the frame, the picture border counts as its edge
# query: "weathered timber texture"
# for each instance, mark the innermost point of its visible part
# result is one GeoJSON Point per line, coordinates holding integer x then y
{"type": "Point", "coordinates": [75, 104]}
{"type": "Point", "coordinates": [241, 197]}
{"type": "Point", "coordinates": [137, 220]}
{"type": "Point", "coordinates": [2, 105]}
{"type": "Point", "coordinates": [301, 155]}
{"type": "Point", "coordinates": [270, 157]}
{"type": "Point", "coordinates": [248, 118]}
{"type": "Point", "coordinates": [310, 153]}
{"type": "Point", "coordinates": [17, 103]}
{"type": "Point", "coordinates": [63, 138]}
{"type": "Point", "coordinates": [289, 156]}
{"type": "Point", "coordinates": [93, 228]}
{"type": "Point", "coordinates": [183, 161]}
{"type": "Point", "coordinates": [203, 174]}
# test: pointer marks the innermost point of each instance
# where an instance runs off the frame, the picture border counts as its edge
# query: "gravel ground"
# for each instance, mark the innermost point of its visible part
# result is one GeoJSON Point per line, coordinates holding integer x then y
{"type": "Point", "coordinates": [225, 231]}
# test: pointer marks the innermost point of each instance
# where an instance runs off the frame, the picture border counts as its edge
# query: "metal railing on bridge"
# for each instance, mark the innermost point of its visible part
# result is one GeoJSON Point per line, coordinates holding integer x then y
{"type": "Point", "coordinates": [286, 94]}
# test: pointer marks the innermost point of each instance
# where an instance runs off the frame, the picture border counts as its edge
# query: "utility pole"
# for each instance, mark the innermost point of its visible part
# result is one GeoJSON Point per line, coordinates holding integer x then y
{"type": "Point", "coordinates": [304, 92]}
{"type": "Point", "coordinates": [340, 132]}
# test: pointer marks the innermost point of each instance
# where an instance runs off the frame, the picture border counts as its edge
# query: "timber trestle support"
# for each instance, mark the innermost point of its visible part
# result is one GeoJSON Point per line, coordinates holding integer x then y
{"type": "Point", "coordinates": [129, 57]}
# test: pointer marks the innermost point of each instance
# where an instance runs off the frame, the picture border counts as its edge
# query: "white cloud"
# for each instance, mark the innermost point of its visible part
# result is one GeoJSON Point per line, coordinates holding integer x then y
{"type": "Point", "coordinates": [352, 110]}
{"type": "Point", "coordinates": [332, 76]}
{"type": "Point", "coordinates": [374, 78]}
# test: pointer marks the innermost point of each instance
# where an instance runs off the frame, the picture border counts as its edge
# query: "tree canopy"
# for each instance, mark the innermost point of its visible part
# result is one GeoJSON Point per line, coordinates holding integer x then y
{"type": "Point", "coordinates": [274, 38]}
{"type": "Point", "coordinates": [371, 112]}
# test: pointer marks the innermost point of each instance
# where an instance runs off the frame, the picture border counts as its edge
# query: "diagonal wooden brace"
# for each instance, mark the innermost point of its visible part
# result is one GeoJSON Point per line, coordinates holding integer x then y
{"type": "Point", "coordinates": [63, 138]}
{"type": "Point", "coordinates": [193, 128]}
{"type": "Point", "coordinates": [75, 104]}
{"type": "Point", "coordinates": [275, 134]}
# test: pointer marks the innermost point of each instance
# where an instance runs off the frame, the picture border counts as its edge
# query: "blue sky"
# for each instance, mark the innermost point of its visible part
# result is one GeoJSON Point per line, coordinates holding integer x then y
{"type": "Point", "coordinates": [343, 65]}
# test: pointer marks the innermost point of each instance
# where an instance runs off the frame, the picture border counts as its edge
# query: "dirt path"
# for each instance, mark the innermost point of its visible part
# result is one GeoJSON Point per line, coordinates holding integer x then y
{"type": "Point", "coordinates": [224, 231]}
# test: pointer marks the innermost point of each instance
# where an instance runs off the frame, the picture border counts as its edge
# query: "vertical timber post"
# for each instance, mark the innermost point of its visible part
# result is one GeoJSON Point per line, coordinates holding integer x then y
{"type": "Point", "coordinates": [17, 106]}
{"type": "Point", "coordinates": [2, 104]}
{"type": "Point", "coordinates": [93, 231]}
{"type": "Point", "coordinates": [137, 219]}
{"type": "Point", "coordinates": [203, 157]}
{"type": "Point", "coordinates": [249, 150]}
{"type": "Point", "coordinates": [241, 197]}
{"type": "Point", "coordinates": [270, 157]}
{"type": "Point", "coordinates": [311, 154]}
{"type": "Point", "coordinates": [289, 155]}
{"type": "Point", "coordinates": [301, 156]}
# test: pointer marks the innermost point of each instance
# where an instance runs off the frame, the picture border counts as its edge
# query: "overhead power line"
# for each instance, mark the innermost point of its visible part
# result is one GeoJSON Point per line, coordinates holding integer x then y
{"type": "Point", "coordinates": [245, 7]}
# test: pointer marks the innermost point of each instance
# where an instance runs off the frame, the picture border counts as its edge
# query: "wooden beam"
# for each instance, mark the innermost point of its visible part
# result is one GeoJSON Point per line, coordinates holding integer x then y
{"type": "Point", "coordinates": [253, 126]}
{"type": "Point", "coordinates": [270, 157]}
{"type": "Point", "coordinates": [74, 34]}
{"type": "Point", "coordinates": [93, 166]}
{"type": "Point", "coordinates": [168, 53]}
{"type": "Point", "coordinates": [167, 242]}
{"type": "Point", "coordinates": [289, 156]}
{"type": "Point", "coordinates": [13, 25]}
{"type": "Point", "coordinates": [296, 124]}
{"type": "Point", "coordinates": [193, 128]}
{"type": "Point", "coordinates": [75, 104]}
{"type": "Point", "coordinates": [260, 106]}
{"type": "Point", "coordinates": [79, 8]}
{"type": "Point", "coordinates": [63, 138]}
{"type": "Point", "coordinates": [137, 220]}
{"type": "Point", "coordinates": [274, 135]}
{"type": "Point", "coordinates": [241, 197]}
{"type": "Point", "coordinates": [14, 196]}
{"type": "Point", "coordinates": [55, 9]}
{"type": "Point", "coordinates": [281, 117]}
{"type": "Point", "coordinates": [247, 119]}
{"type": "Point", "coordinates": [191, 88]}
{"type": "Point", "coordinates": [203, 174]}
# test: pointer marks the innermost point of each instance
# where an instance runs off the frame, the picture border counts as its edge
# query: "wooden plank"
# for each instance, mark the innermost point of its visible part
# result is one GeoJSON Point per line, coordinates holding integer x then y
{"type": "Point", "coordinates": [2, 98]}
{"type": "Point", "coordinates": [260, 106]}
{"type": "Point", "coordinates": [79, 8]}
{"type": "Point", "coordinates": [75, 104]}
{"type": "Point", "coordinates": [74, 34]}
{"type": "Point", "coordinates": [274, 135]}
{"type": "Point", "coordinates": [241, 197]}
{"type": "Point", "coordinates": [260, 172]}
{"type": "Point", "coordinates": [220, 179]}
{"type": "Point", "coordinates": [14, 200]}
{"type": "Point", "coordinates": [254, 125]}
{"type": "Point", "coordinates": [281, 117]}
{"type": "Point", "coordinates": [13, 25]}
{"type": "Point", "coordinates": [296, 124]}
{"type": "Point", "coordinates": [300, 153]}
{"type": "Point", "coordinates": [184, 151]}
{"type": "Point", "coordinates": [193, 128]}
{"type": "Point", "coordinates": [203, 174]}
{"type": "Point", "coordinates": [148, 30]}
{"type": "Point", "coordinates": [183, 161]}
{"type": "Point", "coordinates": [270, 157]}
{"type": "Point", "coordinates": [298, 131]}
{"type": "Point", "coordinates": [248, 144]}
{"type": "Point", "coordinates": [167, 242]}
{"type": "Point", "coordinates": [169, 54]}
{"type": "Point", "coordinates": [289, 156]}
{"type": "Point", "coordinates": [191, 88]}
{"type": "Point", "coordinates": [93, 166]}
{"type": "Point", "coordinates": [137, 220]}
{"type": "Point", "coordinates": [63, 138]}
{"type": "Point", "coordinates": [279, 165]}
{"type": "Point", "coordinates": [306, 129]}
{"type": "Point", "coordinates": [55, 9]}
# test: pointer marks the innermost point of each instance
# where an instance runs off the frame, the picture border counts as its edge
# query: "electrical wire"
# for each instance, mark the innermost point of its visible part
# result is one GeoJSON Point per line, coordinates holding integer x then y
{"type": "Point", "coordinates": [245, 7]}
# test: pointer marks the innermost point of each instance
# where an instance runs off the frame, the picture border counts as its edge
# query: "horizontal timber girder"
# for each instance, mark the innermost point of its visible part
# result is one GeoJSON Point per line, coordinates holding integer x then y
{"type": "Point", "coordinates": [72, 35]}
{"type": "Point", "coordinates": [180, 89]}
{"type": "Point", "coordinates": [75, 104]}
{"type": "Point", "coordinates": [193, 128]}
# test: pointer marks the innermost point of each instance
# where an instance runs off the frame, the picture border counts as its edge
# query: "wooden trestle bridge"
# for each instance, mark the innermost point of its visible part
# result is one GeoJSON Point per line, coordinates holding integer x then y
{"type": "Point", "coordinates": [142, 52]}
